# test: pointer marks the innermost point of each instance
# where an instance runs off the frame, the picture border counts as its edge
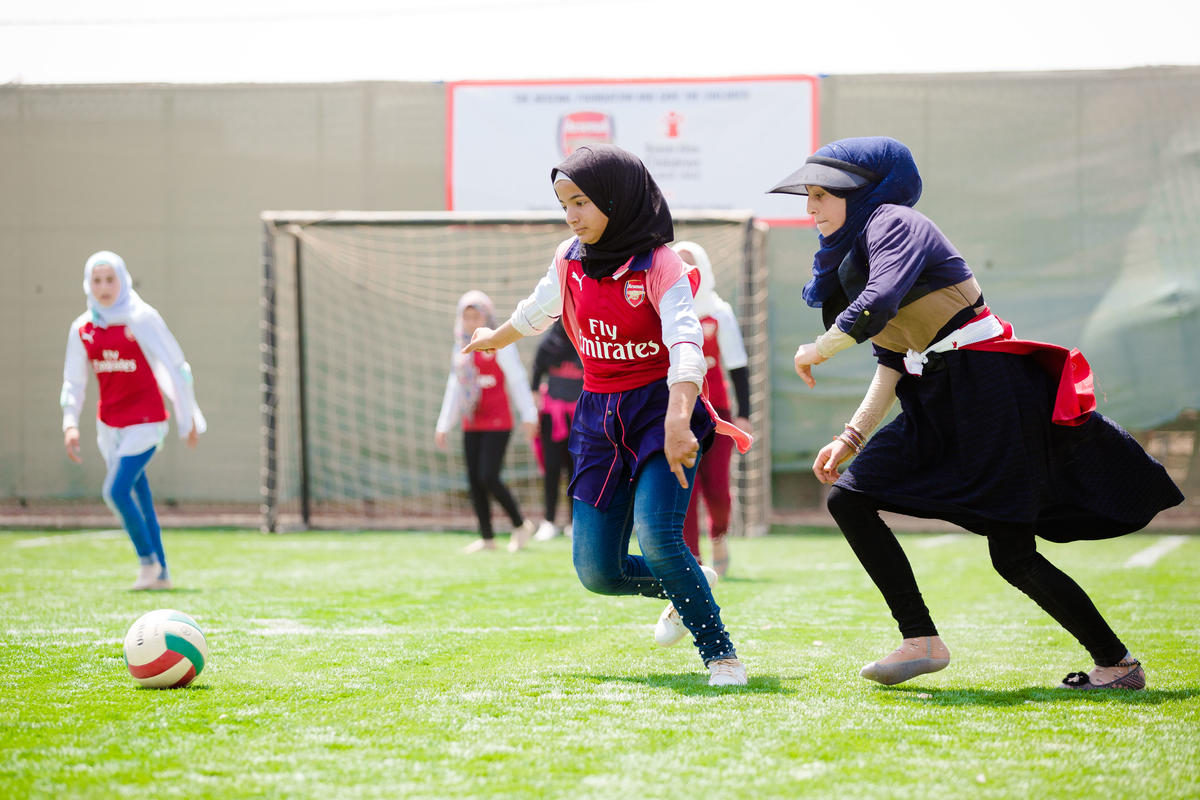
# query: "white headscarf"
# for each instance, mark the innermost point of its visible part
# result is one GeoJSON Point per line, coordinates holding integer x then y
{"type": "Point", "coordinates": [464, 365]}
{"type": "Point", "coordinates": [707, 301]}
{"type": "Point", "coordinates": [127, 305]}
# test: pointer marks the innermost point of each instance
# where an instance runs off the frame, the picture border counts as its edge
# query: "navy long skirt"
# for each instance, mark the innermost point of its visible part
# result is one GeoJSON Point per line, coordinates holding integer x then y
{"type": "Point", "coordinates": [974, 445]}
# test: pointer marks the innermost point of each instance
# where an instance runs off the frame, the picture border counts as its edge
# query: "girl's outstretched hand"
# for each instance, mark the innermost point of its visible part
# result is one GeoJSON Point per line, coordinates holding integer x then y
{"type": "Point", "coordinates": [71, 442]}
{"type": "Point", "coordinates": [806, 356]}
{"type": "Point", "coordinates": [482, 339]}
{"type": "Point", "coordinates": [193, 437]}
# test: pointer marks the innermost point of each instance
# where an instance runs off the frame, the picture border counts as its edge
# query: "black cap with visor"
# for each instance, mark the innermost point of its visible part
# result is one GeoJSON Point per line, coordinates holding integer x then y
{"type": "Point", "coordinates": [829, 173]}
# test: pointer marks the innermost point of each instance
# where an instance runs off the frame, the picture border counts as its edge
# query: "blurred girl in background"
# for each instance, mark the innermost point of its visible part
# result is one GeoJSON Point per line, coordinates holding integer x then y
{"type": "Point", "coordinates": [477, 395]}
{"type": "Point", "coordinates": [124, 341]}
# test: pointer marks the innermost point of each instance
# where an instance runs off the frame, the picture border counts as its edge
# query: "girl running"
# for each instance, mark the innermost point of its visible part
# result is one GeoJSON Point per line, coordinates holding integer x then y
{"type": "Point", "coordinates": [995, 434]}
{"type": "Point", "coordinates": [124, 341]}
{"type": "Point", "coordinates": [626, 302]}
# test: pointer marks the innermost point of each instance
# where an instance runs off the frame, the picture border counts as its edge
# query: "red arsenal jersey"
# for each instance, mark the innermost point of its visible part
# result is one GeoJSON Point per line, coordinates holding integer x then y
{"type": "Point", "coordinates": [129, 394]}
{"type": "Point", "coordinates": [492, 412]}
{"type": "Point", "coordinates": [718, 392]}
{"type": "Point", "coordinates": [619, 338]}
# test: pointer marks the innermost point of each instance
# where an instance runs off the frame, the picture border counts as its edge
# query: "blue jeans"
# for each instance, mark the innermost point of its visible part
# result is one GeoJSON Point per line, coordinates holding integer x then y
{"type": "Point", "coordinates": [656, 505]}
{"type": "Point", "coordinates": [127, 492]}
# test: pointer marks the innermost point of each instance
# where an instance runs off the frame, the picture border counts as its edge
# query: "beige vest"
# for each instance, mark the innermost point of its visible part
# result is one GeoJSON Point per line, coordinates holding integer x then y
{"type": "Point", "coordinates": [914, 327]}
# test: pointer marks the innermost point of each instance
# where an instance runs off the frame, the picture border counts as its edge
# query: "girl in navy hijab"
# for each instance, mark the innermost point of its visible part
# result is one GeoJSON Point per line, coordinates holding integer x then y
{"type": "Point", "coordinates": [996, 434]}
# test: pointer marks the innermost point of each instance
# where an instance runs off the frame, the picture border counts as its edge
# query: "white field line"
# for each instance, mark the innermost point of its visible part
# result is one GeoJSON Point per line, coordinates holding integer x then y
{"type": "Point", "coordinates": [286, 627]}
{"type": "Point", "coordinates": [59, 538]}
{"type": "Point", "coordinates": [1148, 556]}
{"type": "Point", "coordinates": [938, 541]}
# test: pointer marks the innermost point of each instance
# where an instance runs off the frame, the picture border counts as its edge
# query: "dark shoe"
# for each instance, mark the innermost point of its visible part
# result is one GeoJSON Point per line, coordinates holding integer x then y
{"type": "Point", "coordinates": [1133, 679]}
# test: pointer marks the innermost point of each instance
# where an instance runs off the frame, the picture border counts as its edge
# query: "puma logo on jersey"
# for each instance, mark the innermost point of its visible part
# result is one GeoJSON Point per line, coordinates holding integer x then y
{"type": "Point", "coordinates": [579, 277]}
{"type": "Point", "coordinates": [88, 337]}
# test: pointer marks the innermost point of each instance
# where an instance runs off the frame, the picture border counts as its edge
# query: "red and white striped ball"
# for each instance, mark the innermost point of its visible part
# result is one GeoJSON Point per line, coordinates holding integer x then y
{"type": "Point", "coordinates": [165, 649]}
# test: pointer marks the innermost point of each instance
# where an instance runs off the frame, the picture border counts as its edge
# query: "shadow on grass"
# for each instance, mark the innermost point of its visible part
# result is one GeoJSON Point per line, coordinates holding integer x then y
{"type": "Point", "coordinates": [191, 687]}
{"type": "Point", "coordinates": [176, 590]}
{"type": "Point", "coordinates": [1039, 694]}
{"type": "Point", "coordinates": [692, 684]}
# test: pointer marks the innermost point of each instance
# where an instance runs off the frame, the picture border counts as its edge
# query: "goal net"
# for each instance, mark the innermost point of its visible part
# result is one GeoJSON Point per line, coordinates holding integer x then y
{"type": "Point", "coordinates": [357, 319]}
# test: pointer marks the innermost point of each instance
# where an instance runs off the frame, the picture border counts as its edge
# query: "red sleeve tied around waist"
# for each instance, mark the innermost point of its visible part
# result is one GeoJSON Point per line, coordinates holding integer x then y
{"type": "Point", "coordinates": [1075, 399]}
{"type": "Point", "coordinates": [741, 439]}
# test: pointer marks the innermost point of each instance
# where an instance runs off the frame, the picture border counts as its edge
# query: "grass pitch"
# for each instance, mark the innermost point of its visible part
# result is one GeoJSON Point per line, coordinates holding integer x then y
{"type": "Point", "coordinates": [388, 665]}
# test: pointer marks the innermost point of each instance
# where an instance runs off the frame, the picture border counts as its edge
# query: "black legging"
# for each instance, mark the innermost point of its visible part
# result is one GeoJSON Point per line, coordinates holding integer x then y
{"type": "Point", "coordinates": [1014, 555]}
{"type": "Point", "coordinates": [485, 457]}
{"type": "Point", "coordinates": [555, 456]}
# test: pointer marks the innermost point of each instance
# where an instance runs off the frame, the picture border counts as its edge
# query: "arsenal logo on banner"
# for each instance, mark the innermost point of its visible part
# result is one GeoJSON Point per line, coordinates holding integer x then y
{"type": "Point", "coordinates": [635, 291]}
{"type": "Point", "coordinates": [583, 127]}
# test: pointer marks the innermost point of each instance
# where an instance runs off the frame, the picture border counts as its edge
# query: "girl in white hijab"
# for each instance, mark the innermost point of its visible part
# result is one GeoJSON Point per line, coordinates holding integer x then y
{"type": "Point", "coordinates": [724, 352]}
{"type": "Point", "coordinates": [136, 360]}
{"type": "Point", "coordinates": [478, 394]}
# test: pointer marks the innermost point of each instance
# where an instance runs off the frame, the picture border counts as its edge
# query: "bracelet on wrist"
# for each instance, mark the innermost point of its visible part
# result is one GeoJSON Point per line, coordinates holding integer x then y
{"type": "Point", "coordinates": [841, 437]}
{"type": "Point", "coordinates": [853, 437]}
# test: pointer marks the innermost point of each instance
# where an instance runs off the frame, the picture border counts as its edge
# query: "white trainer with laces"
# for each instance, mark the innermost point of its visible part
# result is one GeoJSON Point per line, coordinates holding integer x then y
{"type": "Point", "coordinates": [546, 531]}
{"type": "Point", "coordinates": [670, 628]}
{"type": "Point", "coordinates": [727, 672]}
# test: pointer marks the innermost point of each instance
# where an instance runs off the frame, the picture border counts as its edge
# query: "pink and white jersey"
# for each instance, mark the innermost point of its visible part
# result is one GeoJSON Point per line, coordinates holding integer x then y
{"type": "Point", "coordinates": [129, 393]}
{"type": "Point", "coordinates": [614, 322]}
{"type": "Point", "coordinates": [650, 330]}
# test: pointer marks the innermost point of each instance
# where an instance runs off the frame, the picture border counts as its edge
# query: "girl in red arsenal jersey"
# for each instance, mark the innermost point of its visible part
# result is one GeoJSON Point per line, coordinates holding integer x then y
{"type": "Point", "coordinates": [124, 341]}
{"type": "Point", "coordinates": [477, 393]}
{"type": "Point", "coordinates": [723, 350]}
{"type": "Point", "coordinates": [626, 303]}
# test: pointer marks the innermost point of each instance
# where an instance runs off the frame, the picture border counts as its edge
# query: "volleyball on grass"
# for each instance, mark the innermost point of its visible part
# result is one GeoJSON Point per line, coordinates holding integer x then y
{"type": "Point", "coordinates": [165, 649]}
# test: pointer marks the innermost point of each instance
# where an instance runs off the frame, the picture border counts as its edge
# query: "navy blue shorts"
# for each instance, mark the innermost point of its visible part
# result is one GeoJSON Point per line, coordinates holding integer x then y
{"type": "Point", "coordinates": [614, 433]}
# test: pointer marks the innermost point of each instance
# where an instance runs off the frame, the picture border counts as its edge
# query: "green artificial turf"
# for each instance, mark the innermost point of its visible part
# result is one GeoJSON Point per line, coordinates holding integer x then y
{"type": "Point", "coordinates": [389, 665]}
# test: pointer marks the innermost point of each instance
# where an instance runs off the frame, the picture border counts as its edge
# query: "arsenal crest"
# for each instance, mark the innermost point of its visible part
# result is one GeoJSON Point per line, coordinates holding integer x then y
{"type": "Point", "coordinates": [635, 291]}
{"type": "Point", "coordinates": [583, 127]}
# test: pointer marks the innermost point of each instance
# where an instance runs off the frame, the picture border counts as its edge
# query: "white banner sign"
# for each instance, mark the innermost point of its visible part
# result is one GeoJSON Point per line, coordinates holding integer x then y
{"type": "Point", "coordinates": [709, 143]}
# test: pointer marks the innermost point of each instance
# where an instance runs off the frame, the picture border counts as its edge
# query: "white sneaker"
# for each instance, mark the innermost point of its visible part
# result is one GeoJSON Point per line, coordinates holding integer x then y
{"type": "Point", "coordinates": [670, 628]}
{"type": "Point", "coordinates": [520, 536]}
{"type": "Point", "coordinates": [148, 578]}
{"type": "Point", "coordinates": [545, 531]}
{"type": "Point", "coordinates": [727, 672]}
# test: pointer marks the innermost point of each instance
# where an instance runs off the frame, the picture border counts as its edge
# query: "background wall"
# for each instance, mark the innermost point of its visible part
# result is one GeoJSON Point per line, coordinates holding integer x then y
{"type": "Point", "coordinates": [1075, 196]}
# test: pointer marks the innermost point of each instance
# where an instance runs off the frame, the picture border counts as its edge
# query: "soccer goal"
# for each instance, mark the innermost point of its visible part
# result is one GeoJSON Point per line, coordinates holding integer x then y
{"type": "Point", "coordinates": [357, 318]}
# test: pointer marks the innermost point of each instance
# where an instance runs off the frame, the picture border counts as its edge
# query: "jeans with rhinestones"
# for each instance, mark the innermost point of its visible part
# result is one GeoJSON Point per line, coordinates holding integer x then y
{"type": "Point", "coordinates": [655, 505]}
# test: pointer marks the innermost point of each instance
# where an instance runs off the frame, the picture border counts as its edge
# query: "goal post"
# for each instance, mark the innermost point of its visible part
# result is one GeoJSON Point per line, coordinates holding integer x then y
{"type": "Point", "coordinates": [357, 312]}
